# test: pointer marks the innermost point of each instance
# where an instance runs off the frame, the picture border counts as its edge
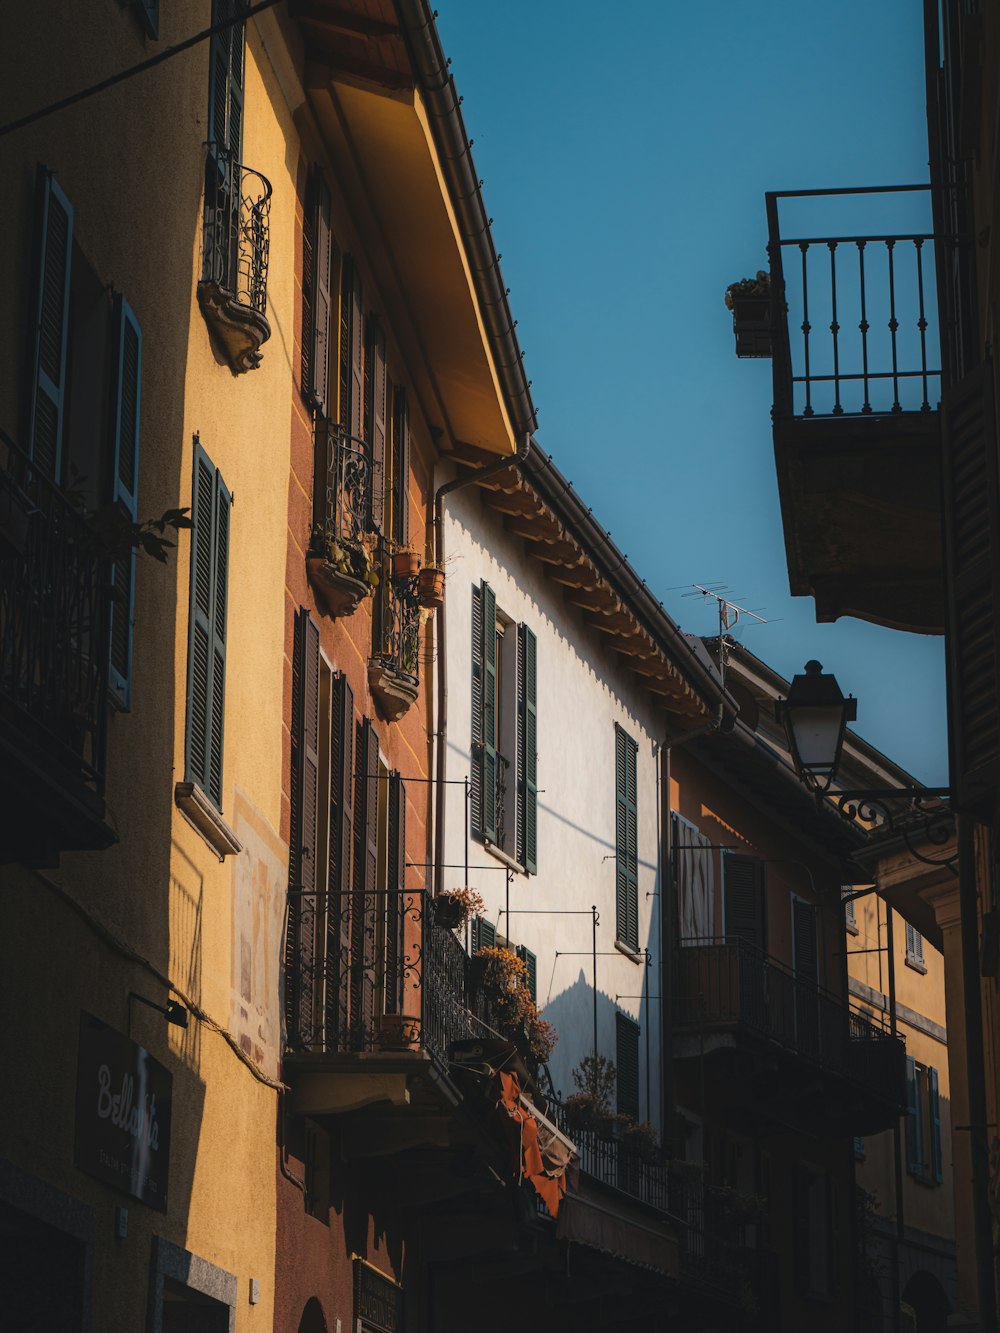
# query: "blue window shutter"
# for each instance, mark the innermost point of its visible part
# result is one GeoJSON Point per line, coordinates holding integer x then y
{"type": "Point", "coordinates": [489, 755]}
{"type": "Point", "coordinates": [914, 1157]}
{"type": "Point", "coordinates": [127, 370]}
{"type": "Point", "coordinates": [935, 1101]}
{"type": "Point", "coordinates": [149, 15]}
{"type": "Point", "coordinates": [210, 515]}
{"type": "Point", "coordinates": [626, 839]}
{"type": "Point", "coordinates": [50, 334]}
{"type": "Point", "coordinates": [528, 778]}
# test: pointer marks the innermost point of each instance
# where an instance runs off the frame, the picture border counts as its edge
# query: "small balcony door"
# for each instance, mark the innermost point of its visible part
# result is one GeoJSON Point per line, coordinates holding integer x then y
{"type": "Point", "coordinates": [805, 958]}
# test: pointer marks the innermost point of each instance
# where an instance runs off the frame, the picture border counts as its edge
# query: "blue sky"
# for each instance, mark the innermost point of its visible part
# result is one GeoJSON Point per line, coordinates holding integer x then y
{"type": "Point", "coordinates": [625, 155]}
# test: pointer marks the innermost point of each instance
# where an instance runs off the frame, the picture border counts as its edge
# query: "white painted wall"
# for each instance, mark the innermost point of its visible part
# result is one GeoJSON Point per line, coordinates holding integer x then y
{"type": "Point", "coordinates": [583, 691]}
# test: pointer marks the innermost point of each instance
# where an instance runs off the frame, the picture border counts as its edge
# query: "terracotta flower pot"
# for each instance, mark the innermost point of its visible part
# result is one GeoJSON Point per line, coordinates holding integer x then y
{"type": "Point", "coordinates": [405, 564]}
{"type": "Point", "coordinates": [430, 587]}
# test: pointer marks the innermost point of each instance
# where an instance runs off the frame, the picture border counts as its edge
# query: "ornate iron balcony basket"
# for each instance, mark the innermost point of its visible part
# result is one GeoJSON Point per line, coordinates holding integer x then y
{"type": "Point", "coordinates": [233, 288]}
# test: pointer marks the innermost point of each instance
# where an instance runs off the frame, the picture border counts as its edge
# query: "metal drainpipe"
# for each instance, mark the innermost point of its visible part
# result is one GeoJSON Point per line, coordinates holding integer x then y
{"type": "Point", "coordinates": [500, 465]}
{"type": "Point", "coordinates": [897, 1147]}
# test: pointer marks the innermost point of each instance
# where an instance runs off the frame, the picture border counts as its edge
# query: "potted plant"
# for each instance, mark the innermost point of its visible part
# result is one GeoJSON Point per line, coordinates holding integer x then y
{"type": "Point", "coordinates": [453, 907]}
{"type": "Point", "coordinates": [342, 571]}
{"type": "Point", "coordinates": [589, 1108]}
{"type": "Point", "coordinates": [398, 1032]}
{"type": "Point", "coordinates": [430, 586]}
{"type": "Point", "coordinates": [405, 563]}
{"type": "Point", "coordinates": [750, 301]}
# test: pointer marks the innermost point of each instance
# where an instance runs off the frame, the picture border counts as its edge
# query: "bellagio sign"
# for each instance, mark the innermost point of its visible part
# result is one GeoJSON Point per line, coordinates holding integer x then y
{"type": "Point", "coordinates": [122, 1113]}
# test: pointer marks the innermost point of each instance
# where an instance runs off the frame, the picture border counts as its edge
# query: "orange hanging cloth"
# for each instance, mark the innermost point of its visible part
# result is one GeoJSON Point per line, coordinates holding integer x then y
{"type": "Point", "coordinates": [549, 1184]}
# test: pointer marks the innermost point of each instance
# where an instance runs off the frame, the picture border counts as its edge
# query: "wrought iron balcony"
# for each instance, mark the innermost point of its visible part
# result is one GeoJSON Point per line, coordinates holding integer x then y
{"type": "Point", "coordinates": [394, 667]}
{"type": "Point", "coordinates": [854, 1064]}
{"type": "Point", "coordinates": [233, 287]}
{"type": "Point", "coordinates": [340, 563]}
{"type": "Point", "coordinates": [855, 341]}
{"type": "Point", "coordinates": [54, 604]}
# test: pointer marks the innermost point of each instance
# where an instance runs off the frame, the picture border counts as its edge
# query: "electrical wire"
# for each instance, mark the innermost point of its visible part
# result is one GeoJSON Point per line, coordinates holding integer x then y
{"type": "Point", "coordinates": [242, 13]}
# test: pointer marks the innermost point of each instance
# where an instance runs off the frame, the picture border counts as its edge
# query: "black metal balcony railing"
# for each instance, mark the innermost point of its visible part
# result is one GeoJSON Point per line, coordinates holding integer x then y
{"type": "Point", "coordinates": [865, 307]}
{"type": "Point", "coordinates": [500, 788]}
{"type": "Point", "coordinates": [347, 510]}
{"type": "Point", "coordinates": [54, 604]}
{"type": "Point", "coordinates": [736, 985]}
{"type": "Point", "coordinates": [397, 624]}
{"type": "Point", "coordinates": [236, 229]}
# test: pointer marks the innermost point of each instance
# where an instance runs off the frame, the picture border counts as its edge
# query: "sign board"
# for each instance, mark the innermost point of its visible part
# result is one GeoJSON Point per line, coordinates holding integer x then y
{"type": "Point", "coordinates": [122, 1113]}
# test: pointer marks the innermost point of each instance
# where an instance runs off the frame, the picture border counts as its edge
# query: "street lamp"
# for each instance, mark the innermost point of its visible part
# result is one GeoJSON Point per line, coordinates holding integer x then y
{"type": "Point", "coordinates": [815, 716]}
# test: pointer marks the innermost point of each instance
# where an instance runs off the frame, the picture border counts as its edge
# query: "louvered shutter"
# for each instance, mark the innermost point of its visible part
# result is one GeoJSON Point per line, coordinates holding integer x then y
{"type": "Point", "coordinates": [149, 14]}
{"type": "Point", "coordinates": [316, 295]}
{"type": "Point", "coordinates": [806, 961]}
{"type": "Point", "coordinates": [478, 673]}
{"type": "Point", "coordinates": [627, 1061]}
{"type": "Point", "coordinates": [308, 359]}
{"type": "Point", "coordinates": [626, 840]}
{"type": "Point", "coordinates": [527, 777]}
{"type": "Point", "coordinates": [401, 467]}
{"type": "Point", "coordinates": [395, 897]}
{"type": "Point", "coordinates": [972, 564]}
{"type": "Point", "coordinates": [211, 503]}
{"type": "Point", "coordinates": [935, 1126]}
{"type": "Point", "coordinates": [914, 1146]}
{"type": "Point", "coordinates": [530, 971]}
{"type": "Point", "coordinates": [304, 851]}
{"type": "Point", "coordinates": [51, 332]}
{"type": "Point", "coordinates": [363, 962]}
{"type": "Point", "coordinates": [743, 899]}
{"type": "Point", "coordinates": [489, 712]}
{"type": "Point", "coordinates": [484, 934]}
{"type": "Point", "coordinates": [375, 430]}
{"type": "Point", "coordinates": [352, 351]}
{"type": "Point", "coordinates": [341, 847]}
{"type": "Point", "coordinates": [125, 485]}
{"type": "Point", "coordinates": [226, 78]}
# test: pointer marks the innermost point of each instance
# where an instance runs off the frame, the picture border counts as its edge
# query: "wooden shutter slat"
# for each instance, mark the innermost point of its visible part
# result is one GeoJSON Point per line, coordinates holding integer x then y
{"type": "Point", "coordinates": [528, 748]}
{"type": "Point", "coordinates": [626, 839]}
{"type": "Point", "coordinates": [478, 671]}
{"type": "Point", "coordinates": [341, 848]}
{"type": "Point", "coordinates": [395, 897]}
{"type": "Point", "coordinates": [972, 556]}
{"type": "Point", "coordinates": [201, 655]}
{"type": "Point", "coordinates": [375, 429]}
{"type": "Point", "coordinates": [125, 475]}
{"type": "Point", "coordinates": [743, 899]}
{"type": "Point", "coordinates": [489, 749]}
{"type": "Point", "coordinates": [627, 1061]}
{"type": "Point", "coordinates": [51, 331]}
{"type": "Point", "coordinates": [401, 468]}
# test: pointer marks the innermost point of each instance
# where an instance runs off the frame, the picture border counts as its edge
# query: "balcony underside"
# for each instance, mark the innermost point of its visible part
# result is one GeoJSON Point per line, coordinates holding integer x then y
{"type": "Point", "coordinates": [45, 808]}
{"type": "Point", "coordinates": [762, 1086]}
{"type": "Point", "coordinates": [860, 502]}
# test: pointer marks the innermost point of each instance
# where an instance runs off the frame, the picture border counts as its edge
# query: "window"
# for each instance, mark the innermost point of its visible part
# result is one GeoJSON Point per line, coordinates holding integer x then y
{"type": "Point", "coordinates": [923, 1123]}
{"type": "Point", "coordinates": [347, 865]}
{"type": "Point", "coordinates": [84, 403]}
{"type": "Point", "coordinates": [504, 731]}
{"type": "Point", "coordinates": [206, 691]}
{"type": "Point", "coordinates": [694, 882]}
{"type": "Point", "coordinates": [627, 1062]}
{"type": "Point", "coordinates": [626, 840]}
{"type": "Point", "coordinates": [815, 1226]}
{"type": "Point", "coordinates": [914, 948]}
{"type": "Point", "coordinates": [743, 900]}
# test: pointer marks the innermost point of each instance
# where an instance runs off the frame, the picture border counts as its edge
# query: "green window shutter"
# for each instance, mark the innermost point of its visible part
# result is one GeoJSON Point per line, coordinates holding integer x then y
{"type": "Point", "coordinates": [375, 418]}
{"type": "Point", "coordinates": [527, 777]}
{"type": "Point", "coordinates": [530, 971]}
{"type": "Point", "coordinates": [743, 899]}
{"type": "Point", "coordinates": [352, 351]}
{"type": "Point", "coordinates": [935, 1126]}
{"type": "Point", "coordinates": [124, 490]}
{"type": "Point", "coordinates": [914, 1147]}
{"type": "Point", "coordinates": [149, 16]}
{"type": "Point", "coordinates": [626, 839]}
{"type": "Point", "coordinates": [54, 254]}
{"type": "Point", "coordinates": [317, 256]}
{"type": "Point", "coordinates": [401, 467]}
{"type": "Point", "coordinates": [489, 713]}
{"type": "Point", "coordinates": [627, 1062]}
{"type": "Point", "coordinates": [207, 627]}
{"type": "Point", "coordinates": [478, 671]}
{"type": "Point", "coordinates": [806, 960]}
{"type": "Point", "coordinates": [484, 934]}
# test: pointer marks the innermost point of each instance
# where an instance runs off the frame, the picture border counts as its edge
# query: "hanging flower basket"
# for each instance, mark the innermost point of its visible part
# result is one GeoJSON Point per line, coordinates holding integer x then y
{"type": "Point", "coordinates": [430, 587]}
{"type": "Point", "coordinates": [453, 907]}
{"type": "Point", "coordinates": [750, 301]}
{"type": "Point", "coordinates": [405, 564]}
